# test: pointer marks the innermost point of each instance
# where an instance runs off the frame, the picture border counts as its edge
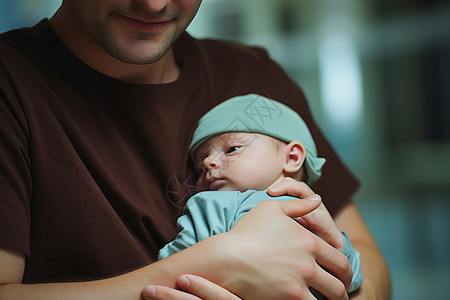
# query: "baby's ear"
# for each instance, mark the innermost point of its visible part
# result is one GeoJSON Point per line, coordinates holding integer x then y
{"type": "Point", "coordinates": [295, 155]}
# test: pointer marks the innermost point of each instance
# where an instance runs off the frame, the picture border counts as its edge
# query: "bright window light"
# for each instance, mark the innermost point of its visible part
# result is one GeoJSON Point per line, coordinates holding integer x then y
{"type": "Point", "coordinates": [340, 81]}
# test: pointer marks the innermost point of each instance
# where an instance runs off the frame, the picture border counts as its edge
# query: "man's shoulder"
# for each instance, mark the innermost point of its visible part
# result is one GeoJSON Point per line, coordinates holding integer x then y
{"type": "Point", "coordinates": [227, 47]}
{"type": "Point", "coordinates": [226, 51]}
{"type": "Point", "coordinates": [25, 44]}
{"type": "Point", "coordinates": [25, 35]}
{"type": "Point", "coordinates": [11, 42]}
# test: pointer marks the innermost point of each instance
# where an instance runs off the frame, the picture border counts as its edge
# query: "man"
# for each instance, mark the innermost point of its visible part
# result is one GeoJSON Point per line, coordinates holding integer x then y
{"type": "Point", "coordinates": [98, 106]}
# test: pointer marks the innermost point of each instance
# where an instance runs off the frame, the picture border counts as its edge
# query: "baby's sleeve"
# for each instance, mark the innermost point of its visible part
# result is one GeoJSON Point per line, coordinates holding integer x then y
{"type": "Point", "coordinates": [355, 262]}
{"type": "Point", "coordinates": [205, 214]}
{"type": "Point", "coordinates": [186, 236]}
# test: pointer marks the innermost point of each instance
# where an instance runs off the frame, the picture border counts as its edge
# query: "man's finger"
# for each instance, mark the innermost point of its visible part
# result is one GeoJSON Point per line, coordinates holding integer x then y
{"type": "Point", "coordinates": [321, 223]}
{"type": "Point", "coordinates": [291, 187]}
{"type": "Point", "coordinates": [158, 292]}
{"type": "Point", "coordinates": [203, 288]}
{"type": "Point", "coordinates": [336, 263]}
{"type": "Point", "coordinates": [329, 286]}
{"type": "Point", "coordinates": [301, 207]}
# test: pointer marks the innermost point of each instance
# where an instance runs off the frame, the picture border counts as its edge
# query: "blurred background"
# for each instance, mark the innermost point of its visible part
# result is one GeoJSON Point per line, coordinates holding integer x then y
{"type": "Point", "coordinates": [377, 76]}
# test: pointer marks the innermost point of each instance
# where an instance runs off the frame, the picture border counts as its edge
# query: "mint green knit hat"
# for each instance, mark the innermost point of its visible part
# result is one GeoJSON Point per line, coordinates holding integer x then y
{"type": "Point", "coordinates": [258, 114]}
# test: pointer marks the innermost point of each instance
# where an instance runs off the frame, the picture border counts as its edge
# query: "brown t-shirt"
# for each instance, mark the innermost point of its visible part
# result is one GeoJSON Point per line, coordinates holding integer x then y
{"type": "Point", "coordinates": [94, 171]}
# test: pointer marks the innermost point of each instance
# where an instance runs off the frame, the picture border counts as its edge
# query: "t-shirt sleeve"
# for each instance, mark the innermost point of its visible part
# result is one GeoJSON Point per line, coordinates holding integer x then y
{"type": "Point", "coordinates": [15, 174]}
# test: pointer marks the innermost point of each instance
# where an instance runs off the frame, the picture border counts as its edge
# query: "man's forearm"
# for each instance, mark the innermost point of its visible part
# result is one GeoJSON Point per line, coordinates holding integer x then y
{"type": "Point", "coordinates": [127, 286]}
{"type": "Point", "coordinates": [199, 259]}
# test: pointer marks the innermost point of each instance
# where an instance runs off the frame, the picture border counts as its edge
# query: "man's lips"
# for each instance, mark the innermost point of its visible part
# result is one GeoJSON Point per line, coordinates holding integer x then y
{"type": "Point", "coordinates": [146, 25]}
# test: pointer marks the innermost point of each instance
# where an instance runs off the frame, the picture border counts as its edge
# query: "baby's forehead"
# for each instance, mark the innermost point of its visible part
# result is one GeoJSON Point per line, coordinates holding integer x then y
{"type": "Point", "coordinates": [234, 136]}
{"type": "Point", "coordinates": [224, 138]}
{"type": "Point", "coordinates": [230, 137]}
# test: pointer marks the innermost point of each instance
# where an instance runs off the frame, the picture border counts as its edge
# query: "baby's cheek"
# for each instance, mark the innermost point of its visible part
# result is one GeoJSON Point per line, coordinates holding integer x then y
{"type": "Point", "coordinates": [201, 183]}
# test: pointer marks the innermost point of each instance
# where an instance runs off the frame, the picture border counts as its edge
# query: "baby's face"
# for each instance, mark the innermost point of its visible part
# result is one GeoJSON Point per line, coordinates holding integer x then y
{"type": "Point", "coordinates": [239, 161]}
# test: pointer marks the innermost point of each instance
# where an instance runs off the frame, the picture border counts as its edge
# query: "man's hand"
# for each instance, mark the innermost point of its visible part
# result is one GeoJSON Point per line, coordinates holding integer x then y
{"type": "Point", "coordinates": [273, 257]}
{"type": "Point", "coordinates": [319, 221]}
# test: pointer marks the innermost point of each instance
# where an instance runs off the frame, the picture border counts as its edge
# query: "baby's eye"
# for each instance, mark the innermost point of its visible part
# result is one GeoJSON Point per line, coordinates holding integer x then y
{"type": "Point", "coordinates": [199, 169]}
{"type": "Point", "coordinates": [232, 149]}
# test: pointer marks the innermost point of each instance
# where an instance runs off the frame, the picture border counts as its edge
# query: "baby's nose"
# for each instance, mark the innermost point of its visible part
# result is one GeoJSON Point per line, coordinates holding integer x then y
{"type": "Point", "coordinates": [212, 161]}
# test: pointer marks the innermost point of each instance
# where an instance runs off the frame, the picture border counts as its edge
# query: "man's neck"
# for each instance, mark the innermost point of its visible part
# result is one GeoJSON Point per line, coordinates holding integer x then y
{"type": "Point", "coordinates": [164, 70]}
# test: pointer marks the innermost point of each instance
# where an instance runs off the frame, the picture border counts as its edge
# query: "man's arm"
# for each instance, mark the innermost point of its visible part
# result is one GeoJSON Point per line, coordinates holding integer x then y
{"type": "Point", "coordinates": [126, 286]}
{"type": "Point", "coordinates": [13, 265]}
{"type": "Point", "coordinates": [12, 269]}
{"type": "Point", "coordinates": [237, 260]}
{"type": "Point", "coordinates": [376, 284]}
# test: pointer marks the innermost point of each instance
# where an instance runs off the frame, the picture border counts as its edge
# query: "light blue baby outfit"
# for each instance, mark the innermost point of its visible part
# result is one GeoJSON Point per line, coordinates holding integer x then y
{"type": "Point", "coordinates": [213, 212]}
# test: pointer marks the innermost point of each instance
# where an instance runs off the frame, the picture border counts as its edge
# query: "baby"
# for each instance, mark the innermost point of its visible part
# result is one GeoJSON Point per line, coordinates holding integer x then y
{"type": "Point", "coordinates": [241, 148]}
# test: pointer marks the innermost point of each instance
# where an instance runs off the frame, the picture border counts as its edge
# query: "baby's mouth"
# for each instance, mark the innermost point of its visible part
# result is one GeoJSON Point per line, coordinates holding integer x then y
{"type": "Point", "coordinates": [215, 183]}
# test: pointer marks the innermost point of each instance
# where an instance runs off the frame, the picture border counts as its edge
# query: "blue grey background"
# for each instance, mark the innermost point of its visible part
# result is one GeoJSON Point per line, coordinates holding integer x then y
{"type": "Point", "coordinates": [377, 74]}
